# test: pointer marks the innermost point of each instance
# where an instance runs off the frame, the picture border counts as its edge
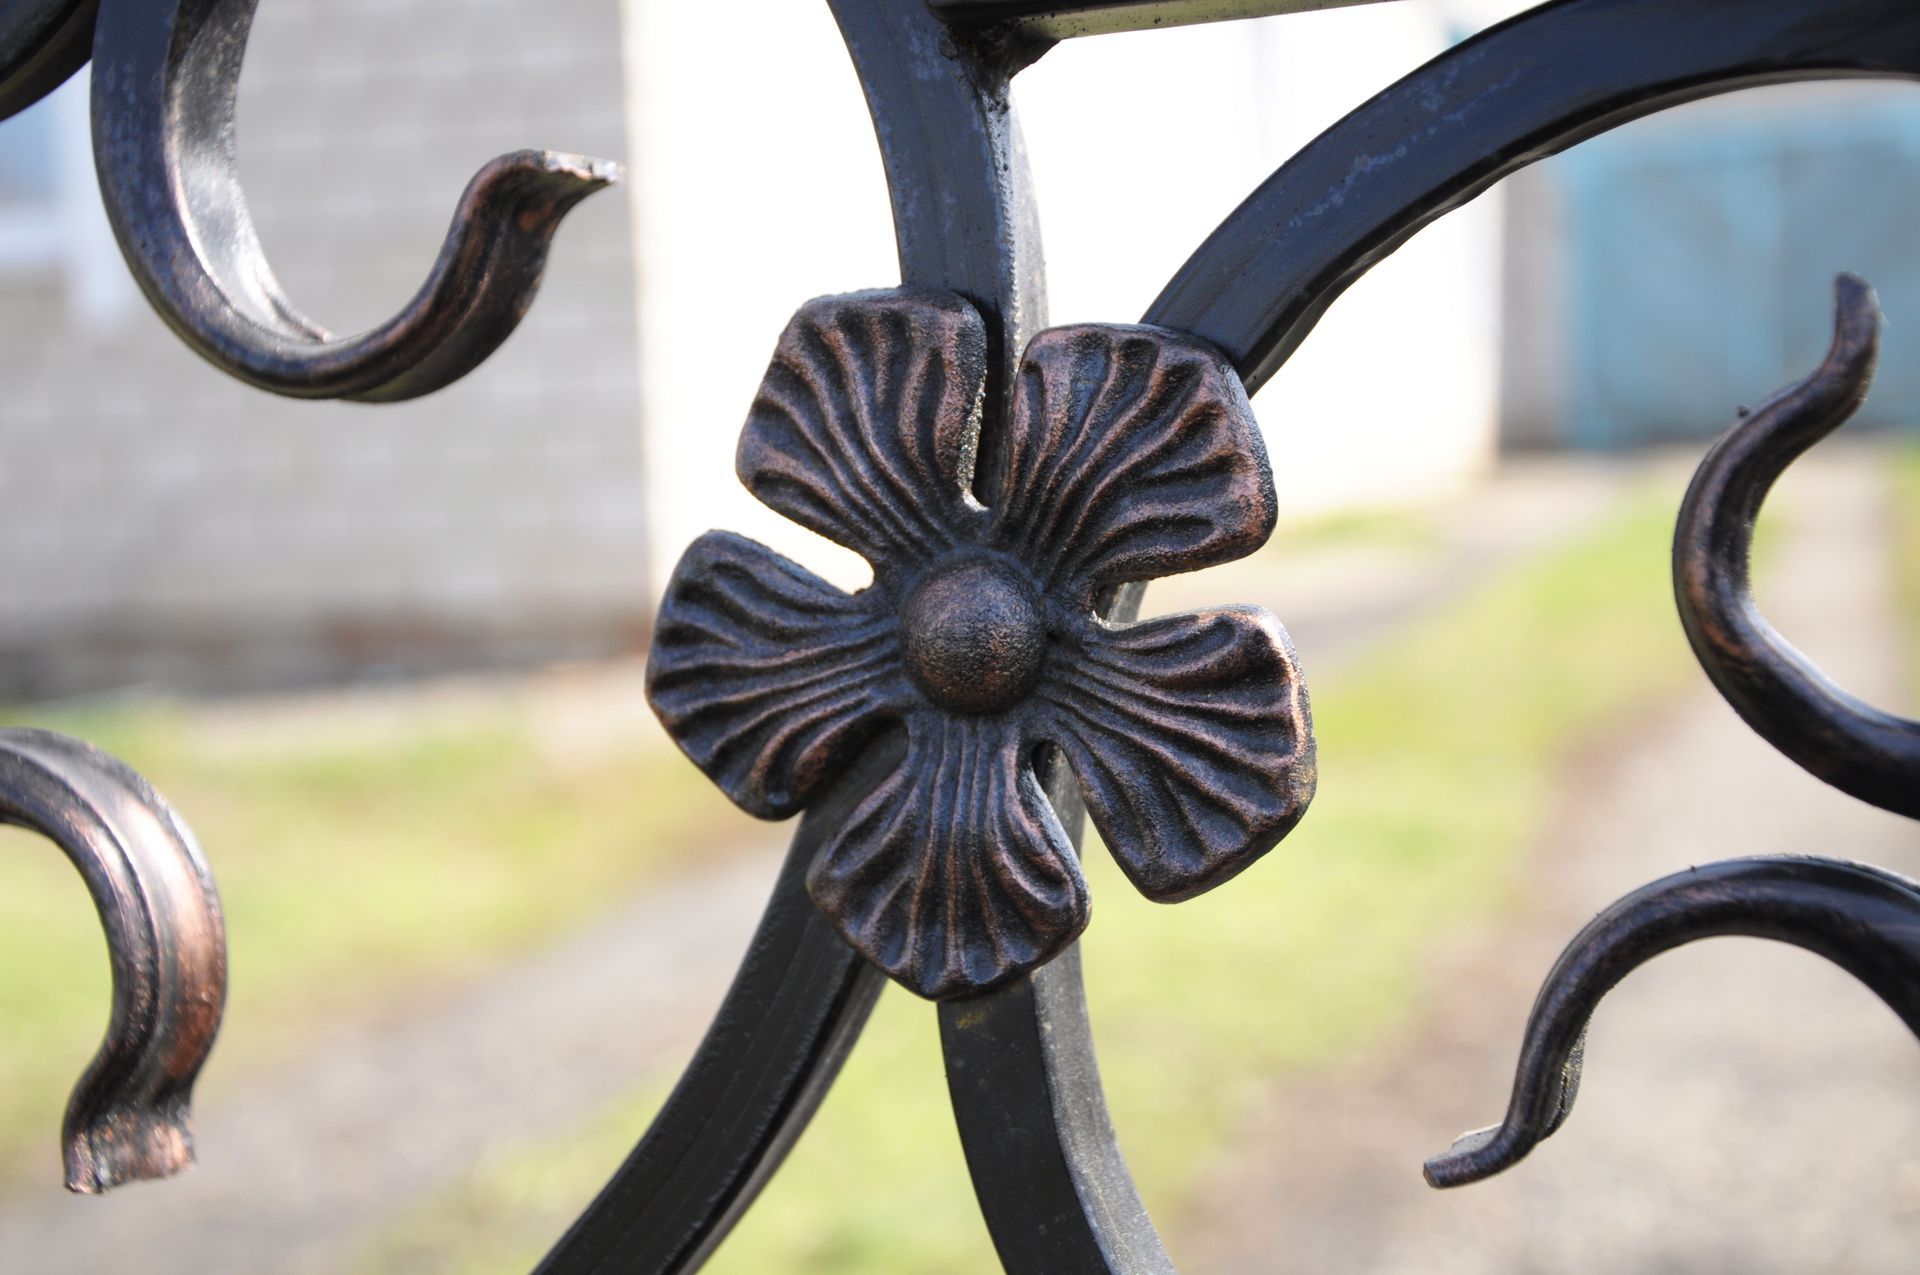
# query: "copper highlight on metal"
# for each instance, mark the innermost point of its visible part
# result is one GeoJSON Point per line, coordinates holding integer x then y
{"type": "Point", "coordinates": [129, 1115]}
{"type": "Point", "coordinates": [1128, 453]}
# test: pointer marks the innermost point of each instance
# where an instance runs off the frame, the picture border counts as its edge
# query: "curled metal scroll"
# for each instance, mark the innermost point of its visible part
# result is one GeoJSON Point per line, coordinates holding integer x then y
{"type": "Point", "coordinates": [1863, 919]}
{"type": "Point", "coordinates": [1857, 748]}
{"type": "Point", "coordinates": [129, 1115]}
{"type": "Point", "coordinates": [42, 43]}
{"type": "Point", "coordinates": [165, 77]}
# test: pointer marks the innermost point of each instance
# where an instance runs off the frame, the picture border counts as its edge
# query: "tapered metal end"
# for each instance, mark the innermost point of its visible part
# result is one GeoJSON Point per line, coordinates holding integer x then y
{"type": "Point", "coordinates": [128, 1117]}
{"type": "Point", "coordinates": [1471, 1158]}
{"type": "Point", "coordinates": [125, 1146]}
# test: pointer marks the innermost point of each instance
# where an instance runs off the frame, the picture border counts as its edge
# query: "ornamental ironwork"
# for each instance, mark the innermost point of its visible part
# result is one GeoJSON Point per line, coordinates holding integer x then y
{"type": "Point", "coordinates": [1013, 487]}
{"type": "Point", "coordinates": [1127, 453]}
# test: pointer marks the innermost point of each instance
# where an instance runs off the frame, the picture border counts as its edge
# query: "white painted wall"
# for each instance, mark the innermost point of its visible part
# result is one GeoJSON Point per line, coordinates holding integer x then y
{"type": "Point", "coordinates": [757, 186]}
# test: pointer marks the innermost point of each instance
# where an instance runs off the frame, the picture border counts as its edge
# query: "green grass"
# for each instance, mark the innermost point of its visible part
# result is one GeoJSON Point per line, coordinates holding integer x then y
{"type": "Point", "coordinates": [1443, 754]}
{"type": "Point", "coordinates": [361, 859]}
{"type": "Point", "coordinates": [1906, 556]}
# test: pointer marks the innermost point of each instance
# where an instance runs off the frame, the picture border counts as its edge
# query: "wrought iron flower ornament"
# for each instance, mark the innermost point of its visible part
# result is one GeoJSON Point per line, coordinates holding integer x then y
{"type": "Point", "coordinates": [1130, 453]}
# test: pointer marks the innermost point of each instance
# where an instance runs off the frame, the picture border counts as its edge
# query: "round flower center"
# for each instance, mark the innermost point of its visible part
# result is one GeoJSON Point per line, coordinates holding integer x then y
{"type": "Point", "coordinates": [974, 637]}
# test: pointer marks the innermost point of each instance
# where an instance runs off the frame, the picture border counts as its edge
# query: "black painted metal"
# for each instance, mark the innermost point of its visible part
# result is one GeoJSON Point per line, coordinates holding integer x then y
{"type": "Point", "coordinates": [963, 211]}
{"type": "Point", "coordinates": [1518, 92]}
{"type": "Point", "coordinates": [1026, 1090]}
{"type": "Point", "coordinates": [164, 82]}
{"type": "Point", "coordinates": [42, 43]}
{"type": "Point", "coordinates": [1863, 919]}
{"type": "Point", "coordinates": [965, 221]}
{"type": "Point", "coordinates": [129, 1115]}
{"type": "Point", "coordinates": [936, 73]}
{"type": "Point", "coordinates": [787, 1024]}
{"type": "Point", "coordinates": [1859, 749]}
{"type": "Point", "coordinates": [1025, 1082]}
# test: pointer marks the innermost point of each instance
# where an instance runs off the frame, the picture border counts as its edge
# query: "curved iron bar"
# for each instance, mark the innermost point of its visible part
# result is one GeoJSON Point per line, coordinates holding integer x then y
{"type": "Point", "coordinates": [964, 222]}
{"type": "Point", "coordinates": [1026, 1092]}
{"type": "Point", "coordinates": [1863, 919]}
{"type": "Point", "coordinates": [1055, 1191]}
{"type": "Point", "coordinates": [788, 1022]}
{"type": "Point", "coordinates": [963, 211]}
{"type": "Point", "coordinates": [165, 77]}
{"type": "Point", "coordinates": [1857, 748]}
{"type": "Point", "coordinates": [1516, 93]}
{"type": "Point", "coordinates": [129, 1115]}
{"type": "Point", "coordinates": [1052, 1183]}
{"type": "Point", "coordinates": [42, 43]}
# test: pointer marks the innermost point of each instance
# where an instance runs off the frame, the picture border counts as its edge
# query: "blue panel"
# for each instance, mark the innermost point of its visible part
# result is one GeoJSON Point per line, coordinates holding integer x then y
{"type": "Point", "coordinates": [1701, 261]}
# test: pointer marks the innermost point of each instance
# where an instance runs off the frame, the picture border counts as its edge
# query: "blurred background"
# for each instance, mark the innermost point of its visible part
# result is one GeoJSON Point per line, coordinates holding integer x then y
{"type": "Point", "coordinates": [386, 661]}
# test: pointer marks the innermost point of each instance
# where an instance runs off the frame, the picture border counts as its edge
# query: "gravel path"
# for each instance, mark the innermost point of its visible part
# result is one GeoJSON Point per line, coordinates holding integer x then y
{"type": "Point", "coordinates": [1746, 1107]}
{"type": "Point", "coordinates": [296, 1163]}
{"type": "Point", "coordinates": [299, 1165]}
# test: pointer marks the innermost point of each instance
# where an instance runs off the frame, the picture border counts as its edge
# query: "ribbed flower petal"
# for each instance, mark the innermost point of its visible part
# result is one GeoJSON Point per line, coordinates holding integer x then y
{"type": "Point", "coordinates": [954, 874]}
{"type": "Point", "coordinates": [1132, 453]}
{"type": "Point", "coordinates": [767, 676]}
{"type": "Point", "coordinates": [1191, 738]}
{"type": "Point", "coordinates": [865, 426]}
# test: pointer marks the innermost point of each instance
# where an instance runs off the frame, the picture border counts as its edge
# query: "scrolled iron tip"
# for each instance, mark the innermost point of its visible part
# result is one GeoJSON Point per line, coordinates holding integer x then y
{"type": "Point", "coordinates": [128, 1117]}
{"type": "Point", "coordinates": [170, 182]}
{"type": "Point", "coordinates": [1864, 919]}
{"type": "Point", "coordinates": [130, 1144]}
{"type": "Point", "coordinates": [485, 279]}
{"type": "Point", "coordinates": [1840, 739]}
{"type": "Point", "coordinates": [1474, 1156]}
{"type": "Point", "coordinates": [565, 171]}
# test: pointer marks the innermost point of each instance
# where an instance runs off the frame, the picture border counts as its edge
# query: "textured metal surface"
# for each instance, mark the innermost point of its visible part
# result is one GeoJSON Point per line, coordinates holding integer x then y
{"type": "Point", "coordinates": [1859, 749]}
{"type": "Point", "coordinates": [42, 43]}
{"type": "Point", "coordinates": [164, 82]}
{"type": "Point", "coordinates": [129, 1115]}
{"type": "Point", "coordinates": [1129, 453]}
{"type": "Point", "coordinates": [1863, 919]}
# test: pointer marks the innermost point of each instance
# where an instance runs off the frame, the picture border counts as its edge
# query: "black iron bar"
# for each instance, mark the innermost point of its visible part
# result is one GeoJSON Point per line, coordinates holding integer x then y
{"type": "Point", "coordinates": [1026, 1090]}
{"type": "Point", "coordinates": [165, 77]}
{"type": "Point", "coordinates": [1516, 93]}
{"type": "Point", "coordinates": [1865, 920]}
{"type": "Point", "coordinates": [965, 221]}
{"type": "Point", "coordinates": [787, 1024]}
{"type": "Point", "coordinates": [1021, 1068]}
{"type": "Point", "coordinates": [42, 43]}
{"type": "Point", "coordinates": [1859, 749]}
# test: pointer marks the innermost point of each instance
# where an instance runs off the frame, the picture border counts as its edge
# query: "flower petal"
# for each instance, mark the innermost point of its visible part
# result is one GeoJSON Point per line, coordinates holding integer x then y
{"type": "Point", "coordinates": [865, 426]}
{"type": "Point", "coordinates": [954, 874]}
{"type": "Point", "coordinates": [1192, 741]}
{"type": "Point", "coordinates": [767, 676]}
{"type": "Point", "coordinates": [1133, 453]}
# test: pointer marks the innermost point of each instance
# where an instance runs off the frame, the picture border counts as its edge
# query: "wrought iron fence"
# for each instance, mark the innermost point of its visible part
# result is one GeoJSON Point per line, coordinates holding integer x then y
{"type": "Point", "coordinates": [947, 731]}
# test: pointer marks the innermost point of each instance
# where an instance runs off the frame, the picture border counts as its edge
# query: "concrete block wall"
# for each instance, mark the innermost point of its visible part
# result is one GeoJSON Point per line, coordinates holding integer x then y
{"type": "Point", "coordinates": [160, 523]}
